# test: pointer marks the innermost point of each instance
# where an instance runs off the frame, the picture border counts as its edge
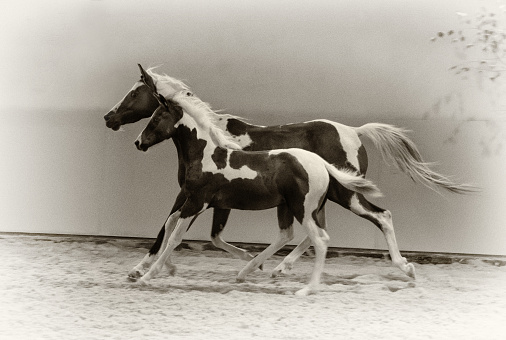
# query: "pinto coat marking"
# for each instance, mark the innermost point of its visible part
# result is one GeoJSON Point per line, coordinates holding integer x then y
{"type": "Point", "coordinates": [293, 180]}
{"type": "Point", "coordinates": [337, 143]}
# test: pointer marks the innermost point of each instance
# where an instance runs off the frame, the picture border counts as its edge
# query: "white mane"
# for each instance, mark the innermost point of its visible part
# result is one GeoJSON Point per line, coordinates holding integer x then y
{"type": "Point", "coordinates": [166, 85]}
{"type": "Point", "coordinates": [205, 118]}
{"type": "Point", "coordinates": [201, 112]}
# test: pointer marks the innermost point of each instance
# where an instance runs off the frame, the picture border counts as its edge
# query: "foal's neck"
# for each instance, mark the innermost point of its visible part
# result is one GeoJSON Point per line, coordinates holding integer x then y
{"type": "Point", "coordinates": [191, 143]}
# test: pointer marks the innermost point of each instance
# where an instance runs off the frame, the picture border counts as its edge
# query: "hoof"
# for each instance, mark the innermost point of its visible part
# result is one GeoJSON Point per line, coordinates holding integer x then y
{"type": "Point", "coordinates": [304, 291]}
{"type": "Point", "coordinates": [282, 268]}
{"type": "Point", "coordinates": [275, 272]}
{"type": "Point", "coordinates": [171, 269]}
{"type": "Point", "coordinates": [142, 282]}
{"type": "Point", "coordinates": [410, 270]}
{"type": "Point", "coordinates": [135, 274]}
{"type": "Point", "coordinates": [239, 280]}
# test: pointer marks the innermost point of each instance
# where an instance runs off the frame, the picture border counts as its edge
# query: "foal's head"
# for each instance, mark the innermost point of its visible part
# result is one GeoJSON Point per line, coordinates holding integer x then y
{"type": "Point", "coordinates": [139, 102]}
{"type": "Point", "coordinates": [162, 124]}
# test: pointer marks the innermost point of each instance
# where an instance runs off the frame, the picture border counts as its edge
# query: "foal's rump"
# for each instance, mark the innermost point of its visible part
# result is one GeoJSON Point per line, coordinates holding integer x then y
{"type": "Point", "coordinates": [319, 171]}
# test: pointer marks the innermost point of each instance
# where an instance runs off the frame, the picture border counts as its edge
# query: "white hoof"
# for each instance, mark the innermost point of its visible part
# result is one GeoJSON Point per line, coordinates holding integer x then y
{"type": "Point", "coordinates": [143, 282]}
{"type": "Point", "coordinates": [305, 291]}
{"type": "Point", "coordinates": [409, 269]}
{"type": "Point", "coordinates": [135, 274]}
{"type": "Point", "coordinates": [171, 269]}
{"type": "Point", "coordinates": [282, 268]}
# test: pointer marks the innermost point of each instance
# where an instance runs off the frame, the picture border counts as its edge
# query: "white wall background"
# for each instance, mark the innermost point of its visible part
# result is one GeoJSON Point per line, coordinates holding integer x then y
{"type": "Point", "coordinates": [64, 64]}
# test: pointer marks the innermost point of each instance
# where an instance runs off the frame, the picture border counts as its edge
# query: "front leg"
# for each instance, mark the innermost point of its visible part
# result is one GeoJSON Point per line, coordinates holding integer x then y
{"type": "Point", "coordinates": [190, 210]}
{"type": "Point", "coordinates": [161, 241]}
{"type": "Point", "coordinates": [140, 269]}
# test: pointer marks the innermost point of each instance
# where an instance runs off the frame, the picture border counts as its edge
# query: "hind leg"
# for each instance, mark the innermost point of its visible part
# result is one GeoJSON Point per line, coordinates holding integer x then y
{"type": "Point", "coordinates": [320, 240]}
{"type": "Point", "coordinates": [285, 220]}
{"type": "Point", "coordinates": [383, 220]}
{"type": "Point", "coordinates": [220, 218]}
{"type": "Point", "coordinates": [286, 265]}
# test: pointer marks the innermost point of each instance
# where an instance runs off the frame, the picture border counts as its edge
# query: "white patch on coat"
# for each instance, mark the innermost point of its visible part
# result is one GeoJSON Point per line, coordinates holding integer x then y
{"type": "Point", "coordinates": [318, 175]}
{"type": "Point", "coordinates": [349, 140]}
{"type": "Point", "coordinates": [208, 164]}
{"type": "Point", "coordinates": [242, 140]}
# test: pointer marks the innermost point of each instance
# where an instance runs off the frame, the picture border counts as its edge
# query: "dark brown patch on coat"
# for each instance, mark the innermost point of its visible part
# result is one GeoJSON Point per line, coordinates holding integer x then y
{"type": "Point", "coordinates": [219, 157]}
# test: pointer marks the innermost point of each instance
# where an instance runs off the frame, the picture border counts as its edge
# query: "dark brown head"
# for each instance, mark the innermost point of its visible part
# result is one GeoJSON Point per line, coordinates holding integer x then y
{"type": "Point", "coordinates": [138, 104]}
{"type": "Point", "coordinates": [162, 124]}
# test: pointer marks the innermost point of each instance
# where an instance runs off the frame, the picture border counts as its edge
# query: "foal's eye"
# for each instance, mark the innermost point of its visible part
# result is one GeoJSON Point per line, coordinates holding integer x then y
{"type": "Point", "coordinates": [133, 94]}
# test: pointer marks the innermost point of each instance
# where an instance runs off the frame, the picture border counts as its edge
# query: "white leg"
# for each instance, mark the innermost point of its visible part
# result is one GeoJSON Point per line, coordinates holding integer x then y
{"type": "Point", "coordinates": [393, 249]}
{"type": "Point", "coordinates": [284, 236]}
{"type": "Point", "coordinates": [383, 219]}
{"type": "Point", "coordinates": [140, 269]}
{"type": "Point", "coordinates": [174, 240]}
{"type": "Point", "coordinates": [286, 265]}
{"type": "Point", "coordinates": [320, 240]}
{"type": "Point", "coordinates": [238, 252]}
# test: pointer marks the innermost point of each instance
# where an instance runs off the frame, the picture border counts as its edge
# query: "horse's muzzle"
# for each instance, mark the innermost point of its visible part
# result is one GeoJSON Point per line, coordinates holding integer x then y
{"type": "Point", "coordinates": [111, 123]}
{"type": "Point", "coordinates": [140, 146]}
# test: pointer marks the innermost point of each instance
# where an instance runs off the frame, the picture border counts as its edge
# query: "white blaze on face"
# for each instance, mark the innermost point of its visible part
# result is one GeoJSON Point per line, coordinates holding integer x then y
{"type": "Point", "coordinates": [136, 85]}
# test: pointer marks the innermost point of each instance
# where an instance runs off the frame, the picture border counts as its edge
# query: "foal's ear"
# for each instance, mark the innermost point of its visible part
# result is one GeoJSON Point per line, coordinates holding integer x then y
{"type": "Point", "coordinates": [147, 79]}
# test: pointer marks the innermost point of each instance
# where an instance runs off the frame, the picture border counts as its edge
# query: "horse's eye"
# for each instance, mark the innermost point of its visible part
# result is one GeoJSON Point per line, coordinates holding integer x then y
{"type": "Point", "coordinates": [133, 94]}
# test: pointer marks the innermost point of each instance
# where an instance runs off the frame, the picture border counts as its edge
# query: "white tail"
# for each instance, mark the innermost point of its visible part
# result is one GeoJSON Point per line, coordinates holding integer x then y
{"type": "Point", "coordinates": [397, 148]}
{"type": "Point", "coordinates": [350, 180]}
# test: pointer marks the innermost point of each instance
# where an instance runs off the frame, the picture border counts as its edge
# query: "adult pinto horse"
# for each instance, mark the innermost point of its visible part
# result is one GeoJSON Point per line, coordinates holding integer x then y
{"type": "Point", "coordinates": [221, 175]}
{"type": "Point", "coordinates": [337, 143]}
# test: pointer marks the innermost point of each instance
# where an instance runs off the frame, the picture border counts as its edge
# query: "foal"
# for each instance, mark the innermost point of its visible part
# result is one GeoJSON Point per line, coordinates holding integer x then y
{"type": "Point", "coordinates": [295, 181]}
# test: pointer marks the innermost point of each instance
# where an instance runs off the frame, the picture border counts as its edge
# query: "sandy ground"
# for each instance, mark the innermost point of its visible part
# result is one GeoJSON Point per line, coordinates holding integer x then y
{"type": "Point", "coordinates": [76, 288]}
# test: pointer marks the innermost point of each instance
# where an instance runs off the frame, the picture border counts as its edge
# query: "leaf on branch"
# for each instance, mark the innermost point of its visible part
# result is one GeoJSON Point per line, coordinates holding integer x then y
{"type": "Point", "coordinates": [440, 34]}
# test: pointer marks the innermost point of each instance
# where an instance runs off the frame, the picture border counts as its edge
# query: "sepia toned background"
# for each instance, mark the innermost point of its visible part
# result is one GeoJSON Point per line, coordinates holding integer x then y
{"type": "Point", "coordinates": [64, 64]}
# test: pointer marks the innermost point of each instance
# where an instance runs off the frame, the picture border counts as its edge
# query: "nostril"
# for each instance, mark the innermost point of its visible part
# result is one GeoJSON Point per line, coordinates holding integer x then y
{"type": "Point", "coordinates": [106, 117]}
{"type": "Point", "coordinates": [137, 143]}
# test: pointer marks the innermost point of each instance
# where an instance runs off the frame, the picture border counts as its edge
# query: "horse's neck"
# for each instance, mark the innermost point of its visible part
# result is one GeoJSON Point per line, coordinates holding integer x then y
{"type": "Point", "coordinates": [237, 127]}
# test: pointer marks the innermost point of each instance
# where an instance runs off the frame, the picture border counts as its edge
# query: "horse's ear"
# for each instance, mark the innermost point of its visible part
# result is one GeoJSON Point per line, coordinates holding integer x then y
{"type": "Point", "coordinates": [163, 101]}
{"type": "Point", "coordinates": [147, 79]}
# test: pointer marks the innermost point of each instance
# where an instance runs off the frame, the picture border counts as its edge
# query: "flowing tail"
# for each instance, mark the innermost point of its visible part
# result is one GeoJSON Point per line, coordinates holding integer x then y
{"type": "Point", "coordinates": [397, 148]}
{"type": "Point", "coordinates": [352, 181]}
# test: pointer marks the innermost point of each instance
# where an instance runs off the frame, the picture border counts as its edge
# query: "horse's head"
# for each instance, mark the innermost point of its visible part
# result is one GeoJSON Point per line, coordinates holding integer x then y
{"type": "Point", "coordinates": [139, 102]}
{"type": "Point", "coordinates": [163, 122]}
